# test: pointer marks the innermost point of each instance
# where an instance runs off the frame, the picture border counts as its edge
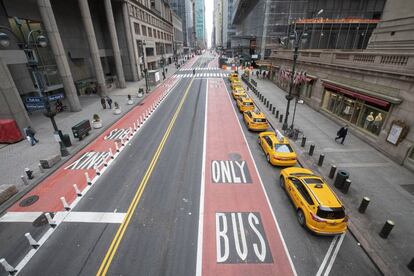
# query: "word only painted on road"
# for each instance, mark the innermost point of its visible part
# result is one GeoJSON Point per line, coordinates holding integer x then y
{"type": "Point", "coordinates": [89, 160]}
{"type": "Point", "coordinates": [116, 134]}
{"type": "Point", "coordinates": [240, 238]}
{"type": "Point", "coordinates": [230, 171]}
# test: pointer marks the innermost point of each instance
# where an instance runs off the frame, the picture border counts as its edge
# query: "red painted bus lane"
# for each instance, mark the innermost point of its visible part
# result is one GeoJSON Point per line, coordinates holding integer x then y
{"type": "Point", "coordinates": [60, 183]}
{"type": "Point", "coordinates": [240, 232]}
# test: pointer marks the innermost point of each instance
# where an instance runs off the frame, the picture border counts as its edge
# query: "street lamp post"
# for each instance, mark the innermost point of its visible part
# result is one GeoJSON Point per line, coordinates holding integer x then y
{"type": "Point", "coordinates": [41, 41]}
{"type": "Point", "coordinates": [295, 38]}
{"type": "Point", "coordinates": [145, 68]}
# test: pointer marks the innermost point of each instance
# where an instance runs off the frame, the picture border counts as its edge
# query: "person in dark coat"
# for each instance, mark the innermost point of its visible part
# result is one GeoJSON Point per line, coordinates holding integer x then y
{"type": "Point", "coordinates": [103, 103]}
{"type": "Point", "coordinates": [342, 132]}
{"type": "Point", "coordinates": [109, 101]}
{"type": "Point", "coordinates": [31, 134]}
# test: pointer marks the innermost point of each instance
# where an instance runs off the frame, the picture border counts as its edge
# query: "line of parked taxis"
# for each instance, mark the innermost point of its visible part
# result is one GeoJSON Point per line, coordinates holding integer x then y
{"type": "Point", "coordinates": [317, 206]}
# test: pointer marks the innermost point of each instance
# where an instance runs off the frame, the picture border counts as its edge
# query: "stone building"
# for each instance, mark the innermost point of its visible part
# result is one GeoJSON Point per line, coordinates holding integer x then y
{"type": "Point", "coordinates": [371, 90]}
{"type": "Point", "coordinates": [92, 48]}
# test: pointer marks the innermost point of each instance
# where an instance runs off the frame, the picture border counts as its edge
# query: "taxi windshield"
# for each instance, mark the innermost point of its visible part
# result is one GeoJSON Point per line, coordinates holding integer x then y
{"type": "Point", "coordinates": [260, 120]}
{"type": "Point", "coordinates": [283, 148]}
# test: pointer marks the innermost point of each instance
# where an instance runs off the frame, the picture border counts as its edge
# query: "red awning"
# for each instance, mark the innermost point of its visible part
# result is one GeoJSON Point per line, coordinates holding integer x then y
{"type": "Point", "coordinates": [357, 95]}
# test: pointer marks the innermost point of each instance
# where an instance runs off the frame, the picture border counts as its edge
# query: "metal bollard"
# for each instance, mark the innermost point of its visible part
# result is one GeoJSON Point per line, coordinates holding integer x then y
{"type": "Point", "coordinates": [321, 158]}
{"type": "Point", "coordinates": [311, 149]}
{"type": "Point", "coordinates": [411, 265]}
{"type": "Point", "coordinates": [364, 205]}
{"type": "Point", "coordinates": [271, 107]}
{"type": "Point", "coordinates": [267, 104]}
{"type": "Point", "coordinates": [277, 114]}
{"type": "Point", "coordinates": [29, 173]}
{"type": "Point", "coordinates": [303, 143]}
{"type": "Point", "coordinates": [281, 118]}
{"type": "Point", "coordinates": [274, 110]}
{"type": "Point", "coordinates": [386, 229]}
{"type": "Point", "coordinates": [24, 180]}
{"type": "Point", "coordinates": [346, 186]}
{"type": "Point", "coordinates": [332, 172]}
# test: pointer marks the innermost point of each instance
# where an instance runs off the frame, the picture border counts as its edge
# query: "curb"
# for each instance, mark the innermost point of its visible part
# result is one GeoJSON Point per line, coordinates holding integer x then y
{"type": "Point", "coordinates": [376, 259]}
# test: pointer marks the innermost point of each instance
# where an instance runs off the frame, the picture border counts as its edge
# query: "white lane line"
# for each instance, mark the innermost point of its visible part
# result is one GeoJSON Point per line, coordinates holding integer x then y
{"type": "Point", "coordinates": [338, 245]}
{"type": "Point", "coordinates": [95, 217]}
{"type": "Point", "coordinates": [261, 183]}
{"type": "Point", "coordinates": [201, 209]}
{"type": "Point", "coordinates": [327, 256]}
{"type": "Point", "coordinates": [20, 216]}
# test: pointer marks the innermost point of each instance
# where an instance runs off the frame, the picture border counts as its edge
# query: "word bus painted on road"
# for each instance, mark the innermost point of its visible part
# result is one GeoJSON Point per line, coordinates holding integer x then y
{"type": "Point", "coordinates": [230, 171]}
{"type": "Point", "coordinates": [240, 238]}
{"type": "Point", "coordinates": [89, 160]}
{"type": "Point", "coordinates": [116, 134]}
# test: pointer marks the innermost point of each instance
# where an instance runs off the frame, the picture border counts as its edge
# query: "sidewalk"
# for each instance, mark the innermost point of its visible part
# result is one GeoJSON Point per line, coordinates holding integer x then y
{"type": "Point", "coordinates": [16, 157]}
{"type": "Point", "coordinates": [372, 175]}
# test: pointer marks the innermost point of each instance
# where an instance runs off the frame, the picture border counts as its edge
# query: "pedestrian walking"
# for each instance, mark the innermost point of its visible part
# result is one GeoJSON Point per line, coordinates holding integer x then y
{"type": "Point", "coordinates": [264, 74]}
{"type": "Point", "coordinates": [109, 101]}
{"type": "Point", "coordinates": [166, 70]}
{"type": "Point", "coordinates": [163, 75]}
{"type": "Point", "coordinates": [193, 71]}
{"type": "Point", "coordinates": [257, 74]}
{"type": "Point", "coordinates": [342, 132]}
{"type": "Point", "coordinates": [30, 133]}
{"type": "Point", "coordinates": [103, 103]}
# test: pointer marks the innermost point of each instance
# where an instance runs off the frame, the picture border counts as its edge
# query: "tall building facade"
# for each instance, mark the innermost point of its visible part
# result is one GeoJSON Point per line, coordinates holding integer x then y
{"type": "Point", "coordinates": [369, 89]}
{"type": "Point", "coordinates": [184, 9]}
{"type": "Point", "coordinates": [178, 36]}
{"type": "Point", "coordinates": [343, 24]}
{"type": "Point", "coordinates": [218, 22]}
{"type": "Point", "coordinates": [93, 47]}
{"type": "Point", "coordinates": [229, 30]}
{"type": "Point", "coordinates": [200, 23]}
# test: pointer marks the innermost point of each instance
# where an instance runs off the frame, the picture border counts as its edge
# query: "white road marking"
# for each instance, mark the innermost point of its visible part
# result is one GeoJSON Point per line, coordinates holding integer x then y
{"type": "Point", "coordinates": [201, 209]}
{"type": "Point", "coordinates": [20, 216]}
{"type": "Point", "coordinates": [263, 188]}
{"type": "Point", "coordinates": [327, 256]}
{"type": "Point", "coordinates": [338, 245]}
{"type": "Point", "coordinates": [95, 217]}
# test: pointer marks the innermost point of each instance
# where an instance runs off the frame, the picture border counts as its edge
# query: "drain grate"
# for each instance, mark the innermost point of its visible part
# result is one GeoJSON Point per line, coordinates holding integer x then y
{"type": "Point", "coordinates": [28, 201]}
{"type": "Point", "coordinates": [409, 188]}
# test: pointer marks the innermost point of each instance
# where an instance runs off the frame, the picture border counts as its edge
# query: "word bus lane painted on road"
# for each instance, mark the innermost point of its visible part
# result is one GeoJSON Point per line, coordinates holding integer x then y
{"type": "Point", "coordinates": [241, 238]}
{"type": "Point", "coordinates": [117, 134]}
{"type": "Point", "coordinates": [230, 171]}
{"type": "Point", "coordinates": [238, 232]}
{"type": "Point", "coordinates": [89, 160]}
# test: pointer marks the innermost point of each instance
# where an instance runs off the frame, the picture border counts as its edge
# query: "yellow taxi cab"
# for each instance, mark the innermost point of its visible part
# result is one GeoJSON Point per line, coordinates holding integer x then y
{"type": "Point", "coordinates": [277, 149]}
{"type": "Point", "coordinates": [255, 120]}
{"type": "Point", "coordinates": [317, 206]}
{"type": "Point", "coordinates": [233, 76]}
{"type": "Point", "coordinates": [245, 104]}
{"type": "Point", "coordinates": [239, 92]}
{"type": "Point", "coordinates": [236, 83]}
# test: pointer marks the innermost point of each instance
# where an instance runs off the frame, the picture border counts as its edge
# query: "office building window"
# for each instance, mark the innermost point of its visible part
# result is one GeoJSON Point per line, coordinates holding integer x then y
{"type": "Point", "coordinates": [136, 28]}
{"type": "Point", "coordinates": [149, 32]}
{"type": "Point", "coordinates": [144, 30]}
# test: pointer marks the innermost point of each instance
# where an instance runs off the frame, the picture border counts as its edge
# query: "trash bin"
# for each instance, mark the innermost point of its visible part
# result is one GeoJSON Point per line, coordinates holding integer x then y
{"type": "Point", "coordinates": [66, 140]}
{"type": "Point", "coordinates": [341, 176]}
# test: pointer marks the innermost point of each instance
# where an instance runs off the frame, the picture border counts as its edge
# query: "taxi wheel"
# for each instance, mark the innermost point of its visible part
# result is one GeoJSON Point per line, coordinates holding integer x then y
{"type": "Point", "coordinates": [268, 158]}
{"type": "Point", "coordinates": [301, 217]}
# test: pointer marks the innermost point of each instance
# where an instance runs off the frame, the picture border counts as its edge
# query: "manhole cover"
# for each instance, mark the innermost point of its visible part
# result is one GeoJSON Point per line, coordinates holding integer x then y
{"type": "Point", "coordinates": [234, 156]}
{"type": "Point", "coordinates": [28, 201]}
{"type": "Point", "coordinates": [40, 221]}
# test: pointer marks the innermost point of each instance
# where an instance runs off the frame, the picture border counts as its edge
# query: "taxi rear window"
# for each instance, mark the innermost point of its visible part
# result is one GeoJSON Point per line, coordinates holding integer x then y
{"type": "Point", "coordinates": [259, 120]}
{"type": "Point", "coordinates": [330, 213]}
{"type": "Point", "coordinates": [248, 103]}
{"type": "Point", "coordinates": [283, 148]}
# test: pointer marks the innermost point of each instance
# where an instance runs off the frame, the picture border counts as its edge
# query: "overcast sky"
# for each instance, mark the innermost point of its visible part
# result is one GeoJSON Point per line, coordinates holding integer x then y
{"type": "Point", "coordinates": [209, 6]}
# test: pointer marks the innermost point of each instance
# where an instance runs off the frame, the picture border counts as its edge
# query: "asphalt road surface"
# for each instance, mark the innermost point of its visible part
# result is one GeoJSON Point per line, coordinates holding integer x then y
{"type": "Point", "coordinates": [157, 205]}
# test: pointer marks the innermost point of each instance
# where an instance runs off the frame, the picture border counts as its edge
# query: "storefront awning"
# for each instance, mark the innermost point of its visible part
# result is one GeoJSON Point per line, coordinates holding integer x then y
{"type": "Point", "coordinates": [361, 93]}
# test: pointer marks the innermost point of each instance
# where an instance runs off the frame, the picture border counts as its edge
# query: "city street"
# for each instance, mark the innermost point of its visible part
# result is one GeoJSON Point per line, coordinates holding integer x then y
{"type": "Point", "coordinates": [164, 204]}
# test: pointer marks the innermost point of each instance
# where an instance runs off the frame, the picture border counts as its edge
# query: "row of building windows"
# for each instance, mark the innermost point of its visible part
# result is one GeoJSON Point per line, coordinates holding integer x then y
{"type": "Point", "coordinates": [148, 18]}
{"type": "Point", "coordinates": [148, 31]}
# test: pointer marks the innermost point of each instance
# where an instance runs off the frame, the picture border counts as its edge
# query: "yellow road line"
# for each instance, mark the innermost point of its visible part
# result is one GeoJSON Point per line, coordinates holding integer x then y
{"type": "Point", "coordinates": [103, 269]}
